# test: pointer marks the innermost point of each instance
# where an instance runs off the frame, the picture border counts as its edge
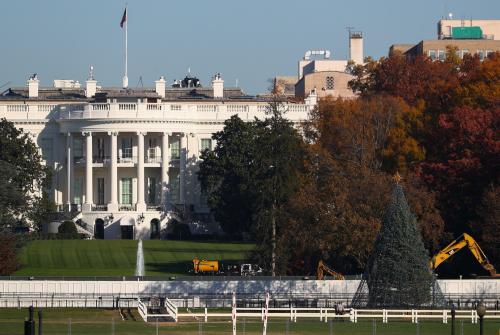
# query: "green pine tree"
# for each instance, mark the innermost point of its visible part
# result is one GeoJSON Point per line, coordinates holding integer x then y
{"type": "Point", "coordinates": [398, 271]}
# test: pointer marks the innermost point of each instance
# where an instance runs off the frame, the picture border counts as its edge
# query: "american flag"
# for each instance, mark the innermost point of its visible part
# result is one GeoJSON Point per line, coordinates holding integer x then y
{"type": "Point", "coordinates": [124, 17]}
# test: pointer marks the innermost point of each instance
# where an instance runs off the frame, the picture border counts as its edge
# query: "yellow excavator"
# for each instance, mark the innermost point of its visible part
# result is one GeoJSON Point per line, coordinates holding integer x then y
{"type": "Point", "coordinates": [322, 268]}
{"type": "Point", "coordinates": [465, 240]}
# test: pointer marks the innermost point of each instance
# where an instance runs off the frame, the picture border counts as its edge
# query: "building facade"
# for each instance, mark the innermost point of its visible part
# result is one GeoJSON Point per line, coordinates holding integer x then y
{"type": "Point", "coordinates": [480, 37]}
{"type": "Point", "coordinates": [319, 72]}
{"type": "Point", "coordinates": [124, 161]}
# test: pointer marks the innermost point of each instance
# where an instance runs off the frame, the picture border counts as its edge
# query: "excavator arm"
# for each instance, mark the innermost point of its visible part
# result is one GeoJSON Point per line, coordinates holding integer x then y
{"type": "Point", "coordinates": [322, 268]}
{"type": "Point", "coordinates": [465, 240]}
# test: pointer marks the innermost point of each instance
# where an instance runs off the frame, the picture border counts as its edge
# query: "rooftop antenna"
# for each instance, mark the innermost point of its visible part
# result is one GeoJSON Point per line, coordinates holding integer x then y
{"type": "Point", "coordinates": [140, 82]}
{"type": "Point", "coordinates": [445, 10]}
{"type": "Point", "coordinates": [189, 70]}
{"type": "Point", "coordinates": [91, 73]}
{"type": "Point", "coordinates": [237, 82]}
{"type": "Point", "coordinates": [450, 15]}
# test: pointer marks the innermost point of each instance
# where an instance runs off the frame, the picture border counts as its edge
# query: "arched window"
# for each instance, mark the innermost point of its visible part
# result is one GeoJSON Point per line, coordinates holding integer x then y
{"type": "Point", "coordinates": [330, 83]}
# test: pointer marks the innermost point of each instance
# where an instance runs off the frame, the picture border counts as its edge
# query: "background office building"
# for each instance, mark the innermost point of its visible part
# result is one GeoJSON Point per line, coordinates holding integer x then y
{"type": "Point", "coordinates": [318, 71]}
{"type": "Point", "coordinates": [480, 37]}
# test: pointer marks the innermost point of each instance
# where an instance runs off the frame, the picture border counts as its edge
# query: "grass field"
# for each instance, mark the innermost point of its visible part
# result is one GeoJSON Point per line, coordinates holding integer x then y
{"type": "Point", "coordinates": [118, 257]}
{"type": "Point", "coordinates": [92, 321]}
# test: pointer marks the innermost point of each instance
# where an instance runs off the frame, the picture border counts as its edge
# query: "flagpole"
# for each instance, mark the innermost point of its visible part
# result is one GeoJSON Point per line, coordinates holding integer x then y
{"type": "Point", "coordinates": [125, 78]}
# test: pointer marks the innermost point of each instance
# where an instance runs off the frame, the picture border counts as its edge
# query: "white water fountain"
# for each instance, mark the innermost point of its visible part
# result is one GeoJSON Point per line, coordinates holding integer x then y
{"type": "Point", "coordinates": [139, 265]}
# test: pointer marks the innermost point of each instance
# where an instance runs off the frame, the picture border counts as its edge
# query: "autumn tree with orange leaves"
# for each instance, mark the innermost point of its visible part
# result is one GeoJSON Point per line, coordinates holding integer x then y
{"type": "Point", "coordinates": [459, 101]}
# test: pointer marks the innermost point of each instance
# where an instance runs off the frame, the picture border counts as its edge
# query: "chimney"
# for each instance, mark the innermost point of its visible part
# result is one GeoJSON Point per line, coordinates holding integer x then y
{"type": "Point", "coordinates": [160, 87]}
{"type": "Point", "coordinates": [33, 83]}
{"type": "Point", "coordinates": [356, 47]}
{"type": "Point", "coordinates": [91, 87]}
{"type": "Point", "coordinates": [218, 86]}
{"type": "Point", "coordinates": [91, 84]}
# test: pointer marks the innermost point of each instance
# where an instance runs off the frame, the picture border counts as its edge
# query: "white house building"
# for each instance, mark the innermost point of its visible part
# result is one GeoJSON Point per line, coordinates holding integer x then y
{"type": "Point", "coordinates": [124, 161]}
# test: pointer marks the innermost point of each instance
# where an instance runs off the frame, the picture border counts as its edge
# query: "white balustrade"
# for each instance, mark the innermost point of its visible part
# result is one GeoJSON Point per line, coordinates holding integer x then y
{"type": "Point", "coordinates": [99, 107]}
{"type": "Point", "coordinates": [127, 107]}
{"type": "Point", "coordinates": [206, 108]}
{"type": "Point", "coordinates": [17, 108]}
{"type": "Point", "coordinates": [181, 111]}
{"type": "Point", "coordinates": [237, 108]}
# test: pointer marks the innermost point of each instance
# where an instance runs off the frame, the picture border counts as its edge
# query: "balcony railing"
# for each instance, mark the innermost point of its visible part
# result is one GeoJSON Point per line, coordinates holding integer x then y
{"type": "Point", "coordinates": [125, 208]}
{"type": "Point", "coordinates": [185, 111]}
{"type": "Point", "coordinates": [156, 208]}
{"type": "Point", "coordinates": [127, 159]}
{"type": "Point", "coordinates": [101, 159]}
{"type": "Point", "coordinates": [100, 208]}
{"type": "Point", "coordinates": [155, 159]}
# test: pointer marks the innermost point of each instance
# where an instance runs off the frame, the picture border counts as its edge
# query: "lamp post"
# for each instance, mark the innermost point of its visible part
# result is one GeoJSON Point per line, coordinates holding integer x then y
{"type": "Point", "coordinates": [481, 312]}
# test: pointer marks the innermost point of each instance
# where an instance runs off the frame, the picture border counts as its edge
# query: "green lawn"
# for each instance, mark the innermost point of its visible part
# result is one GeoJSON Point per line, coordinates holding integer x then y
{"type": "Point", "coordinates": [93, 322]}
{"type": "Point", "coordinates": [118, 257]}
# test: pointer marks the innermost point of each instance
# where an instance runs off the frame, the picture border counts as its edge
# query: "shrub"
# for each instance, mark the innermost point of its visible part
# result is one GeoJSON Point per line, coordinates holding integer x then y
{"type": "Point", "coordinates": [68, 230]}
{"type": "Point", "coordinates": [180, 231]}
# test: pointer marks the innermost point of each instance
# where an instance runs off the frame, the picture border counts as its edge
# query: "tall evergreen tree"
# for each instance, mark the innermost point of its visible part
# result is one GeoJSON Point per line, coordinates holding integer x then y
{"type": "Point", "coordinates": [397, 274]}
{"type": "Point", "coordinates": [250, 175]}
{"type": "Point", "coordinates": [22, 175]}
{"type": "Point", "coordinates": [228, 176]}
{"type": "Point", "coordinates": [280, 161]}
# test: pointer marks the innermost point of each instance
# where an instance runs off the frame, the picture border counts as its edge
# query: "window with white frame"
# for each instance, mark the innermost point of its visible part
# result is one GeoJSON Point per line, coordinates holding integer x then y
{"type": "Point", "coordinates": [175, 148]}
{"type": "Point", "coordinates": [206, 143]}
{"type": "Point", "coordinates": [480, 54]}
{"type": "Point", "coordinates": [100, 147]}
{"type": "Point", "coordinates": [432, 54]}
{"type": "Point", "coordinates": [152, 148]}
{"type": "Point", "coordinates": [174, 187]}
{"type": "Point", "coordinates": [47, 150]}
{"type": "Point", "coordinates": [126, 147]}
{"type": "Point", "coordinates": [78, 190]}
{"type": "Point", "coordinates": [151, 191]}
{"type": "Point", "coordinates": [488, 52]}
{"type": "Point", "coordinates": [127, 191]}
{"type": "Point", "coordinates": [78, 149]}
{"type": "Point", "coordinates": [100, 191]}
{"type": "Point", "coordinates": [465, 52]}
{"type": "Point", "coordinates": [441, 55]}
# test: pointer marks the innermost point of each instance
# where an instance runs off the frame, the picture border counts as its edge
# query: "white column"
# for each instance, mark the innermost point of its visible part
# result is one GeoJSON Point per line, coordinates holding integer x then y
{"type": "Point", "coordinates": [69, 170]}
{"type": "Point", "coordinates": [141, 205]}
{"type": "Point", "coordinates": [88, 172]}
{"type": "Point", "coordinates": [182, 167]}
{"type": "Point", "coordinates": [113, 203]}
{"type": "Point", "coordinates": [165, 158]}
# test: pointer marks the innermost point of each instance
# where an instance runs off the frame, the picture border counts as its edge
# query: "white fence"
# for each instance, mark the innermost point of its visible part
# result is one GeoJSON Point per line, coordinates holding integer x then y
{"type": "Point", "coordinates": [352, 315]}
{"type": "Point", "coordinates": [171, 309]}
{"type": "Point", "coordinates": [135, 288]}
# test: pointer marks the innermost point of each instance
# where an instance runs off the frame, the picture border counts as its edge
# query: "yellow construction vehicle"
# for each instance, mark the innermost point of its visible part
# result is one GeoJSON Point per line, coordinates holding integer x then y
{"type": "Point", "coordinates": [322, 268]}
{"type": "Point", "coordinates": [203, 266]}
{"type": "Point", "coordinates": [465, 240]}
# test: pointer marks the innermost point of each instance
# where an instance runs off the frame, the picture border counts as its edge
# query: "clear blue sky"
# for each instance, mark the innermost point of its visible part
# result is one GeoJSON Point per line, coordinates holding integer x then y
{"type": "Point", "coordinates": [251, 40]}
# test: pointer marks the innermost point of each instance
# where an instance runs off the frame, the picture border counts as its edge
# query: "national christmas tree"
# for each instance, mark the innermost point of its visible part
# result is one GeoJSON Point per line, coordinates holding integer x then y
{"type": "Point", "coordinates": [397, 273]}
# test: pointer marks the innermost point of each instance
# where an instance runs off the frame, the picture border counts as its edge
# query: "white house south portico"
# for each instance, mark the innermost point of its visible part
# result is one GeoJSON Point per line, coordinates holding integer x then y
{"type": "Point", "coordinates": [124, 161]}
